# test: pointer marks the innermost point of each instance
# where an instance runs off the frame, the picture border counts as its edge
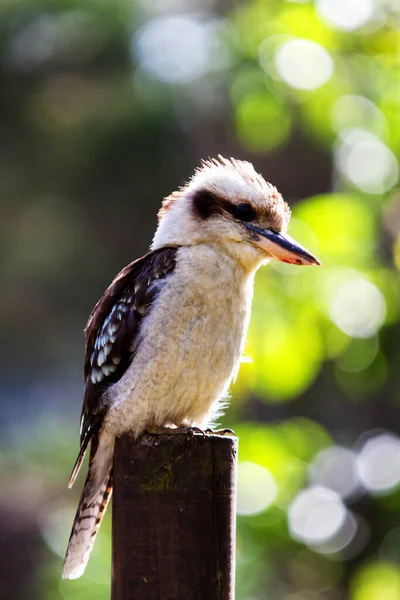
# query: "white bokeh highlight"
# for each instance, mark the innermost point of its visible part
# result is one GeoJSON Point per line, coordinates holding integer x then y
{"type": "Point", "coordinates": [346, 14]}
{"type": "Point", "coordinates": [179, 49]}
{"type": "Point", "coordinates": [366, 161]}
{"type": "Point", "coordinates": [303, 64]}
{"type": "Point", "coordinates": [316, 515]}
{"type": "Point", "coordinates": [257, 488]}
{"type": "Point", "coordinates": [342, 538]}
{"type": "Point", "coordinates": [336, 468]}
{"type": "Point", "coordinates": [358, 308]}
{"type": "Point", "coordinates": [378, 463]}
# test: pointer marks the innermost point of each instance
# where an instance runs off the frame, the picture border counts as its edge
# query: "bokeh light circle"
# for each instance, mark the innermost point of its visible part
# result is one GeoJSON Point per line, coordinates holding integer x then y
{"type": "Point", "coordinates": [358, 308]}
{"type": "Point", "coordinates": [257, 488]}
{"type": "Point", "coordinates": [343, 537]}
{"type": "Point", "coordinates": [303, 64]}
{"type": "Point", "coordinates": [316, 515]}
{"type": "Point", "coordinates": [179, 48]}
{"type": "Point", "coordinates": [336, 468]}
{"type": "Point", "coordinates": [378, 463]}
{"type": "Point", "coordinates": [366, 161]}
{"type": "Point", "coordinates": [346, 14]}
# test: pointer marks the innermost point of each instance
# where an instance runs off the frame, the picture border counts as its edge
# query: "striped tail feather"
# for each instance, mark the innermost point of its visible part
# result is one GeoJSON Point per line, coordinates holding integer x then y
{"type": "Point", "coordinates": [85, 527]}
{"type": "Point", "coordinates": [92, 504]}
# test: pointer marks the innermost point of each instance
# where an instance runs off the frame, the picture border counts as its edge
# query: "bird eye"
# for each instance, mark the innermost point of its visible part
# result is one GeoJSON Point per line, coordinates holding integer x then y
{"type": "Point", "coordinates": [244, 212]}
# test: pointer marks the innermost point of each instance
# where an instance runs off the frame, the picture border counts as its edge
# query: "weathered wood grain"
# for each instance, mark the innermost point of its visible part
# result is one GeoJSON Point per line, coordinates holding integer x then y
{"type": "Point", "coordinates": [174, 517]}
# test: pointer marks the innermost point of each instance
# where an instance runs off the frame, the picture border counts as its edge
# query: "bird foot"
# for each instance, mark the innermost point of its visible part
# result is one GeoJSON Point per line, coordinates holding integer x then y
{"type": "Point", "coordinates": [183, 429]}
{"type": "Point", "coordinates": [187, 430]}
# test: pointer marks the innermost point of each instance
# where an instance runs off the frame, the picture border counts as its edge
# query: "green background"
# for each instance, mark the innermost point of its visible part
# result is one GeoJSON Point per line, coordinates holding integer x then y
{"type": "Point", "coordinates": [106, 107]}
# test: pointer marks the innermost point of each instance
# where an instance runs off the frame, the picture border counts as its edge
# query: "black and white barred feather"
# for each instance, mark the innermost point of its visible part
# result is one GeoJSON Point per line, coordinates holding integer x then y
{"type": "Point", "coordinates": [88, 517]}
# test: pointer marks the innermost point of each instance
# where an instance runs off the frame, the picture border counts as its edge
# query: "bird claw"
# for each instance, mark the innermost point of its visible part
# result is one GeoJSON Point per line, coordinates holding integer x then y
{"type": "Point", "coordinates": [225, 431]}
{"type": "Point", "coordinates": [209, 431]}
{"type": "Point", "coordinates": [196, 431]}
{"type": "Point", "coordinates": [183, 429]}
{"type": "Point", "coordinates": [187, 430]}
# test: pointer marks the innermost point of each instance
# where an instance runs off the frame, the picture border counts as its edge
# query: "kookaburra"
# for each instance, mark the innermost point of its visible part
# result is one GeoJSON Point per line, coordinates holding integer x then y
{"type": "Point", "coordinates": [164, 342]}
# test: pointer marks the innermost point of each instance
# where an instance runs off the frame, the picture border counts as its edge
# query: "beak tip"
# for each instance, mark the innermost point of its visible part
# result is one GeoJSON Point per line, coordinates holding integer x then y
{"type": "Point", "coordinates": [282, 247]}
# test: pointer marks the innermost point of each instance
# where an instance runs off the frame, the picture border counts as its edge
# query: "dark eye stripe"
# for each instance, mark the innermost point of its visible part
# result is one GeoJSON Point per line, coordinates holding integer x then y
{"type": "Point", "coordinates": [206, 205]}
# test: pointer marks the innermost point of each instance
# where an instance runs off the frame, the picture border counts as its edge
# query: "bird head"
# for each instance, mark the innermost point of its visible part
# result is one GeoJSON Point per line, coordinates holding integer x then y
{"type": "Point", "coordinates": [228, 204]}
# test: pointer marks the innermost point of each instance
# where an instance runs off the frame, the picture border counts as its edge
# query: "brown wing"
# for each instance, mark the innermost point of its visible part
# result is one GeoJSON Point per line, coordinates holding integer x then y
{"type": "Point", "coordinates": [111, 333]}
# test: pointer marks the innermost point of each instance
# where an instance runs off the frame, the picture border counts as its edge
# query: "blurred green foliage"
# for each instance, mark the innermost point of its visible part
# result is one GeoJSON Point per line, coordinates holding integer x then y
{"type": "Point", "coordinates": [106, 107]}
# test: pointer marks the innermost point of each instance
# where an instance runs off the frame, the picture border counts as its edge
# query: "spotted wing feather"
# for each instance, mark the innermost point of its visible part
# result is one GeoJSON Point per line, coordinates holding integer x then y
{"type": "Point", "coordinates": [112, 331]}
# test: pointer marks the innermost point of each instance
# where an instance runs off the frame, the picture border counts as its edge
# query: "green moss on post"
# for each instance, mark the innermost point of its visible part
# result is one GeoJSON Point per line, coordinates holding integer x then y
{"type": "Point", "coordinates": [174, 517]}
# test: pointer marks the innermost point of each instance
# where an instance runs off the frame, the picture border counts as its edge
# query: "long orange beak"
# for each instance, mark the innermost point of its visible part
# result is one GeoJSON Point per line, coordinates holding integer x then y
{"type": "Point", "coordinates": [282, 247]}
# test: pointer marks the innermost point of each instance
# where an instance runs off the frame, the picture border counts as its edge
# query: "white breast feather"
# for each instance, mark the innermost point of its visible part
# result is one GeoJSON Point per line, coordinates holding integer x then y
{"type": "Point", "coordinates": [189, 347]}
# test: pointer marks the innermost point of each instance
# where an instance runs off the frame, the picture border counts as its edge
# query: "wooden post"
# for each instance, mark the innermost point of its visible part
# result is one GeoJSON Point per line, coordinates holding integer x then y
{"type": "Point", "coordinates": [174, 517]}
